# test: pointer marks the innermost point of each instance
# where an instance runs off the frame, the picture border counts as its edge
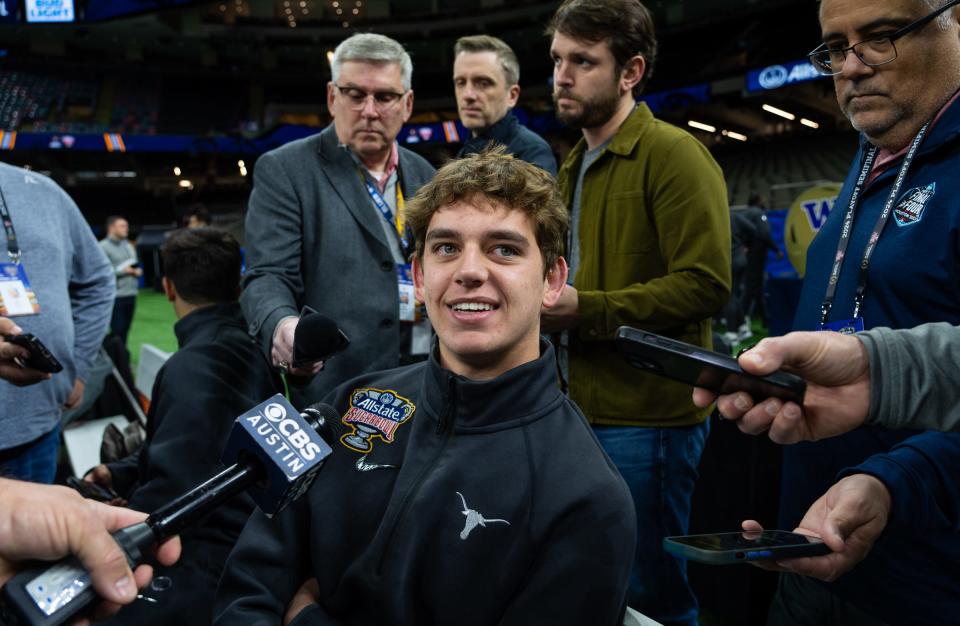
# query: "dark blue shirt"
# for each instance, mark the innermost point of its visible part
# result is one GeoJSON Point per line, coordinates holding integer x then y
{"type": "Point", "coordinates": [912, 576]}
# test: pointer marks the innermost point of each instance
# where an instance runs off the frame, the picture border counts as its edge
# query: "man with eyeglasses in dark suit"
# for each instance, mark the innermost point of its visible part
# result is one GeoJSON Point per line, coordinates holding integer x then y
{"type": "Point", "coordinates": [324, 226]}
{"type": "Point", "coordinates": [888, 255]}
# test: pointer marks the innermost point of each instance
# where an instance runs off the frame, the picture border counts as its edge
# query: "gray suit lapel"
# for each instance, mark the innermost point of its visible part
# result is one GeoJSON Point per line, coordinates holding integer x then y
{"type": "Point", "coordinates": [343, 177]}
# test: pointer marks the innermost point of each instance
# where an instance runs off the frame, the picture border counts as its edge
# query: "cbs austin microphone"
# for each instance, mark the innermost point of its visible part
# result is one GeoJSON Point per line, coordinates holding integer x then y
{"type": "Point", "coordinates": [276, 454]}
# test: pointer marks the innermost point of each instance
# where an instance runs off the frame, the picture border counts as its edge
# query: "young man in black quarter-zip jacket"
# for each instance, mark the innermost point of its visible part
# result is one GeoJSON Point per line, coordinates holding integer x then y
{"type": "Point", "coordinates": [467, 489]}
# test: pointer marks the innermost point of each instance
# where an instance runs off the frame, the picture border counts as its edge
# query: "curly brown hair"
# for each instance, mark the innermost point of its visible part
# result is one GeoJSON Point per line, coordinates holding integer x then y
{"type": "Point", "coordinates": [495, 175]}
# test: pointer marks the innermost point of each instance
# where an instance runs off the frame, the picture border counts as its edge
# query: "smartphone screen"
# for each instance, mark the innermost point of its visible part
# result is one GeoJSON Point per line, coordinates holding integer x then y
{"type": "Point", "coordinates": [743, 546]}
{"type": "Point", "coordinates": [702, 368]}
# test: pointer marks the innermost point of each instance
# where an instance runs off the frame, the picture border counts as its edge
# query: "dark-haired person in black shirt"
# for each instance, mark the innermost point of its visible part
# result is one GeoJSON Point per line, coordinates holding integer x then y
{"type": "Point", "coordinates": [218, 373]}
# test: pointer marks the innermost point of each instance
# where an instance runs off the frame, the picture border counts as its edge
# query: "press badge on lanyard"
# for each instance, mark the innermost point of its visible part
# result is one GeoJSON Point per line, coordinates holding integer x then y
{"type": "Point", "coordinates": [855, 324]}
{"type": "Point", "coordinates": [408, 300]}
{"type": "Point", "coordinates": [16, 295]}
{"type": "Point", "coordinates": [407, 297]}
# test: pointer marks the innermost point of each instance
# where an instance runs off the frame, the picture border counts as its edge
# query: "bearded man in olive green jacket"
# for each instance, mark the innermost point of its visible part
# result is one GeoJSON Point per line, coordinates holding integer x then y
{"type": "Point", "coordinates": [650, 248]}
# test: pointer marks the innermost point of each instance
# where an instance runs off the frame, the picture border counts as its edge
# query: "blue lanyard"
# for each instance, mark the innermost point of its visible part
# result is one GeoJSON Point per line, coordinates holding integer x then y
{"type": "Point", "coordinates": [13, 248]}
{"type": "Point", "coordinates": [847, 229]}
{"type": "Point", "coordinates": [387, 214]}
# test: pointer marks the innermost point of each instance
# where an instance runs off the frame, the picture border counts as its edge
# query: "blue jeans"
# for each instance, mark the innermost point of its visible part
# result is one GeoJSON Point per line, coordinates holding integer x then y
{"type": "Point", "coordinates": [34, 461]}
{"type": "Point", "coordinates": [660, 468]}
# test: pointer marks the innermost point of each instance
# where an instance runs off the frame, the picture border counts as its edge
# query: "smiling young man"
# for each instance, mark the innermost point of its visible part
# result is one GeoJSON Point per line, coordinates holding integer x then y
{"type": "Point", "coordinates": [465, 490]}
{"type": "Point", "coordinates": [324, 217]}
{"type": "Point", "coordinates": [887, 256]}
{"type": "Point", "coordinates": [486, 77]}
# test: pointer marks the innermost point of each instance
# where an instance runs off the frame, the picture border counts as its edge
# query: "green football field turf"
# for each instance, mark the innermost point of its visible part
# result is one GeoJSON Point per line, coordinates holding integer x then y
{"type": "Point", "coordinates": [153, 322]}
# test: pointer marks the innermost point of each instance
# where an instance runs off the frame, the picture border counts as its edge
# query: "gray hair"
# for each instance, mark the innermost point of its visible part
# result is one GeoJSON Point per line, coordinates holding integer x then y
{"type": "Point", "coordinates": [942, 21]}
{"type": "Point", "coordinates": [372, 48]}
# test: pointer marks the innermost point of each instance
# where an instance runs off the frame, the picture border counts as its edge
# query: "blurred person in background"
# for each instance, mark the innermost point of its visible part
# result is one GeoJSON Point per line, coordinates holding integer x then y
{"type": "Point", "coordinates": [126, 268]}
{"type": "Point", "coordinates": [760, 241]}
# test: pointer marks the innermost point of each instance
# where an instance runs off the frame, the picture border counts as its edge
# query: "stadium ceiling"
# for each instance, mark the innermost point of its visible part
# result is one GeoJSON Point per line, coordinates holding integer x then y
{"type": "Point", "coordinates": [284, 44]}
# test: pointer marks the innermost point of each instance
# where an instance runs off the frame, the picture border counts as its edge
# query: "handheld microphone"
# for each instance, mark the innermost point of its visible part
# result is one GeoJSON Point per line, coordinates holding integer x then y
{"type": "Point", "coordinates": [316, 338]}
{"type": "Point", "coordinates": [277, 452]}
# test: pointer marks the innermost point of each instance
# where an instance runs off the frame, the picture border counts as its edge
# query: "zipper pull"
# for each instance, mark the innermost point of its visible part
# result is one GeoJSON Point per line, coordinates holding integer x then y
{"type": "Point", "coordinates": [449, 405]}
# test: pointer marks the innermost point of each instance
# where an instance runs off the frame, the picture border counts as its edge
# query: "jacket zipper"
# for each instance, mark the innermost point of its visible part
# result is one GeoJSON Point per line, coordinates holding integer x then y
{"type": "Point", "coordinates": [448, 413]}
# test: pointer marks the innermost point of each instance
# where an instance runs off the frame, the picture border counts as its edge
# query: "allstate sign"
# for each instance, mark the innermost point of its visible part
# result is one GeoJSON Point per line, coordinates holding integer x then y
{"type": "Point", "coordinates": [776, 76]}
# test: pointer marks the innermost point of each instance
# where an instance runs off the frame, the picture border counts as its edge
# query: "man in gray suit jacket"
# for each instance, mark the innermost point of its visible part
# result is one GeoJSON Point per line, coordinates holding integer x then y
{"type": "Point", "coordinates": [323, 225]}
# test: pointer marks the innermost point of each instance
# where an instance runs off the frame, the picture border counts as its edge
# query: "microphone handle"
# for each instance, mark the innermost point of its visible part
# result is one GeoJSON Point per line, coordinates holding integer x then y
{"type": "Point", "coordinates": [173, 517]}
{"type": "Point", "coordinates": [49, 595]}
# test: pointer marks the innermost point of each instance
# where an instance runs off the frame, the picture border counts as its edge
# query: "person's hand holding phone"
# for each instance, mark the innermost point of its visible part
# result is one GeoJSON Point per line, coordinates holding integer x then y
{"type": "Point", "coordinates": [848, 518]}
{"type": "Point", "coordinates": [837, 372]}
{"type": "Point", "coordinates": [10, 369]}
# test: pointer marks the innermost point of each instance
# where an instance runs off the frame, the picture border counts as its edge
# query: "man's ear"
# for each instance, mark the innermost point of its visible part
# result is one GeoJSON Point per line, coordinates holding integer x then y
{"type": "Point", "coordinates": [408, 107]}
{"type": "Point", "coordinates": [554, 282]}
{"type": "Point", "coordinates": [418, 278]}
{"type": "Point", "coordinates": [169, 289]}
{"type": "Point", "coordinates": [513, 94]}
{"type": "Point", "coordinates": [330, 88]}
{"type": "Point", "coordinates": [632, 73]}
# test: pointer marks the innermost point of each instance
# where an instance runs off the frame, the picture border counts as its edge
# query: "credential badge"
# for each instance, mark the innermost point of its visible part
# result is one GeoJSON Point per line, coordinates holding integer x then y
{"type": "Point", "coordinates": [374, 413]}
{"type": "Point", "coordinates": [910, 208]}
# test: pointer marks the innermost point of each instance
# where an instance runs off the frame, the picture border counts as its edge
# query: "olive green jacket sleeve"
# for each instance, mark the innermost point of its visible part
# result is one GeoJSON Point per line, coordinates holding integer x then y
{"type": "Point", "coordinates": [654, 238]}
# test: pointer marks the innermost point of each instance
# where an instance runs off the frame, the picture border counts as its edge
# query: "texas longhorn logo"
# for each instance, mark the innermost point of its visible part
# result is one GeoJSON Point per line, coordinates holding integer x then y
{"type": "Point", "coordinates": [374, 413]}
{"type": "Point", "coordinates": [475, 518]}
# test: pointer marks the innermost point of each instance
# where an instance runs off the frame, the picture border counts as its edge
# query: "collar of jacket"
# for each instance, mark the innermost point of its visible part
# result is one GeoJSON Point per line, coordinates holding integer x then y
{"type": "Point", "coordinates": [516, 397]}
{"type": "Point", "coordinates": [501, 132]}
{"type": "Point", "coordinates": [624, 141]}
{"type": "Point", "coordinates": [195, 325]}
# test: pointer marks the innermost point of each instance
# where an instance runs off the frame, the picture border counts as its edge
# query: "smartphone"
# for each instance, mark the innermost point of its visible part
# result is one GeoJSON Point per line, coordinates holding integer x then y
{"type": "Point", "coordinates": [40, 357]}
{"type": "Point", "coordinates": [92, 491]}
{"type": "Point", "coordinates": [698, 367]}
{"type": "Point", "coordinates": [744, 546]}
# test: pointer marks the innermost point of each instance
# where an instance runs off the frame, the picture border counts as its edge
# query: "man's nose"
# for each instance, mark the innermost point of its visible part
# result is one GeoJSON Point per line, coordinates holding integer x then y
{"type": "Point", "coordinates": [562, 75]}
{"type": "Point", "coordinates": [369, 108]}
{"type": "Point", "coordinates": [472, 268]}
{"type": "Point", "coordinates": [853, 67]}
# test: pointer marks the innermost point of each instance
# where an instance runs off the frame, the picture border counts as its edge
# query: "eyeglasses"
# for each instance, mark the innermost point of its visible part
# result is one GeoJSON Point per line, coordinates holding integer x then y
{"type": "Point", "coordinates": [872, 52]}
{"type": "Point", "coordinates": [382, 100]}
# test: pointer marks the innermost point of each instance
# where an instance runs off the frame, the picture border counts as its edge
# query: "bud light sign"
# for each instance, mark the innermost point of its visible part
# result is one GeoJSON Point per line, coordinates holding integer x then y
{"type": "Point", "coordinates": [776, 76]}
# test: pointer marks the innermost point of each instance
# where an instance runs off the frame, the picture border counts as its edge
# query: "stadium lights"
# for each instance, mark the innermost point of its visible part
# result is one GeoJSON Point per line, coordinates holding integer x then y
{"type": "Point", "coordinates": [176, 170]}
{"type": "Point", "coordinates": [243, 167]}
{"type": "Point", "coordinates": [733, 135]}
{"type": "Point", "coordinates": [809, 123]}
{"type": "Point", "coordinates": [701, 126]}
{"type": "Point", "coordinates": [330, 57]}
{"type": "Point", "coordinates": [772, 109]}
{"type": "Point", "coordinates": [186, 184]}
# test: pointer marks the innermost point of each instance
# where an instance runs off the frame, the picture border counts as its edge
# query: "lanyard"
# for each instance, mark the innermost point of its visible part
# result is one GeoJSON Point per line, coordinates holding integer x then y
{"type": "Point", "coordinates": [387, 213]}
{"type": "Point", "coordinates": [847, 230]}
{"type": "Point", "coordinates": [13, 248]}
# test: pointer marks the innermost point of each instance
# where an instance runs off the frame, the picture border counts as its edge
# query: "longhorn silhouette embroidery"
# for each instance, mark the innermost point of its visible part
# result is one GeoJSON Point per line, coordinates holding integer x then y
{"type": "Point", "coordinates": [474, 519]}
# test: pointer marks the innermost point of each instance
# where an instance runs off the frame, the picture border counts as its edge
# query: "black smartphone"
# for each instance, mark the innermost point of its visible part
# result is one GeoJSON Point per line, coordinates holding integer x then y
{"type": "Point", "coordinates": [40, 357]}
{"type": "Point", "coordinates": [698, 367]}
{"type": "Point", "coordinates": [92, 491]}
{"type": "Point", "coordinates": [744, 546]}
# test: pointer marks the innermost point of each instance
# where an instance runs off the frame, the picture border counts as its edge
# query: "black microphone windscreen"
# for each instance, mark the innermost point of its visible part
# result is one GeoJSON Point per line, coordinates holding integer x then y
{"type": "Point", "coordinates": [315, 338]}
{"type": "Point", "coordinates": [325, 420]}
